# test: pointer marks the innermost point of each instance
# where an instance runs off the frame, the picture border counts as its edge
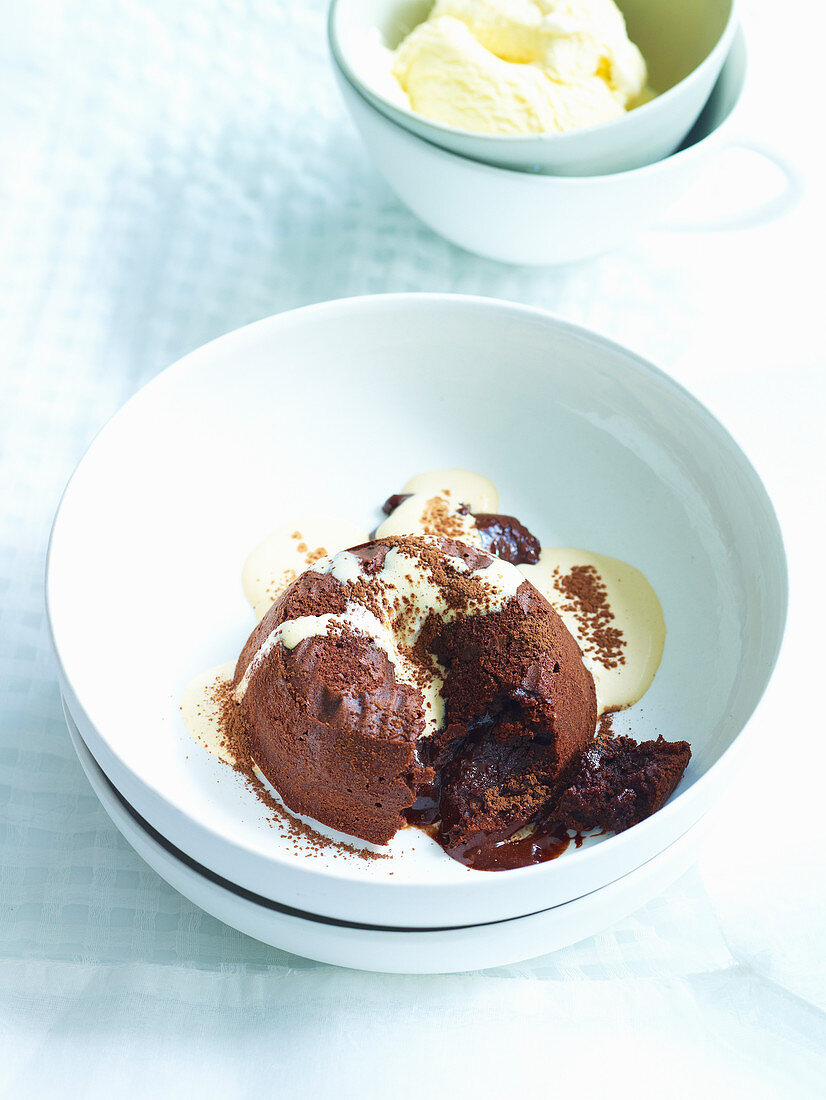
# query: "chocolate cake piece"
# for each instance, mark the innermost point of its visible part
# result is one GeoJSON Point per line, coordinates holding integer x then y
{"type": "Point", "coordinates": [618, 783]}
{"type": "Point", "coordinates": [421, 680]}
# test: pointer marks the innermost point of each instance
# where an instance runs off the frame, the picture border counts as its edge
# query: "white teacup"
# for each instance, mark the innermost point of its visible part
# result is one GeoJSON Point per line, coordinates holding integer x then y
{"type": "Point", "coordinates": [684, 42]}
{"type": "Point", "coordinates": [522, 218]}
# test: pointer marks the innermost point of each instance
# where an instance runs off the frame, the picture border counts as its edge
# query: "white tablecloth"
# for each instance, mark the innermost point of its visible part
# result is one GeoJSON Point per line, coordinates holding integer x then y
{"type": "Point", "coordinates": [170, 171]}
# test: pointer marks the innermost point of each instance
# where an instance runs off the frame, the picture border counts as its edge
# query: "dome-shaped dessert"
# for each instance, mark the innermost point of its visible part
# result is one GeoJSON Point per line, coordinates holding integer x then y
{"type": "Point", "coordinates": [414, 678]}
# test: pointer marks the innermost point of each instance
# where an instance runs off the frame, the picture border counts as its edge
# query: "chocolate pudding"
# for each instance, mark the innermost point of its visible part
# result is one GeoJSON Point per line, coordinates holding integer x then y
{"type": "Point", "coordinates": [367, 684]}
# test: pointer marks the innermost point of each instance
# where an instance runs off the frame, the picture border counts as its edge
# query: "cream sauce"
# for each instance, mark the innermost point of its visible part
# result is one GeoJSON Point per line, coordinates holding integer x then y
{"type": "Point", "coordinates": [439, 496]}
{"type": "Point", "coordinates": [288, 551]}
{"type": "Point", "coordinates": [202, 712]}
{"type": "Point", "coordinates": [477, 492]}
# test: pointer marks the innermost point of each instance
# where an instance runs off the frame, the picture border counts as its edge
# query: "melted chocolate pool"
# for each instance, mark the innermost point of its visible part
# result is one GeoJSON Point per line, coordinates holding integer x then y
{"type": "Point", "coordinates": [539, 847]}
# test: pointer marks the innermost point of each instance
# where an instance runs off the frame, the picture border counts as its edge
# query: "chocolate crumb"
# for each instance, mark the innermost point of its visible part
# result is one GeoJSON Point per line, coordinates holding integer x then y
{"type": "Point", "coordinates": [619, 783]}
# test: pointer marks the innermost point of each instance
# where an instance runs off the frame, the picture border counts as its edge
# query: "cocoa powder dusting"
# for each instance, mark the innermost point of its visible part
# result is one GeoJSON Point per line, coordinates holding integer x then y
{"type": "Point", "coordinates": [236, 741]}
{"type": "Point", "coordinates": [587, 601]}
{"type": "Point", "coordinates": [605, 726]}
{"type": "Point", "coordinates": [463, 592]}
{"type": "Point", "coordinates": [438, 519]}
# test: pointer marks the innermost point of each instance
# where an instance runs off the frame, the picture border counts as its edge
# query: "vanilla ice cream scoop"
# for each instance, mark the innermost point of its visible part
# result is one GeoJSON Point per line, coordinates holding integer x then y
{"type": "Point", "coordinates": [521, 66]}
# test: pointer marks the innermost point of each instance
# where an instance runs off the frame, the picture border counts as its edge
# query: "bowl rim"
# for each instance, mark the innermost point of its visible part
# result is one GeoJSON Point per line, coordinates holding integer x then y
{"type": "Point", "coordinates": [125, 808]}
{"type": "Point", "coordinates": [204, 893]}
{"type": "Point", "coordinates": [540, 179]}
{"type": "Point", "coordinates": [717, 772]}
{"type": "Point", "coordinates": [644, 110]}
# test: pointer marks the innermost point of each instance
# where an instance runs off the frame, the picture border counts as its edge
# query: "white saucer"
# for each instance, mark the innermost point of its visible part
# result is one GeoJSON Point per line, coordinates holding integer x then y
{"type": "Point", "coordinates": [330, 409]}
{"type": "Point", "coordinates": [389, 950]}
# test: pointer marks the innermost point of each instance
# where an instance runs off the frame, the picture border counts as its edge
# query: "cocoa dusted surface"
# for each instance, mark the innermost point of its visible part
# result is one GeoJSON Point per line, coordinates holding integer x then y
{"type": "Point", "coordinates": [328, 724]}
{"type": "Point", "coordinates": [519, 706]}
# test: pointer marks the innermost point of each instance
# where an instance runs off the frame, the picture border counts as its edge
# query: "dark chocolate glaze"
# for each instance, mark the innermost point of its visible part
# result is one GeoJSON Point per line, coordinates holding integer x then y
{"type": "Point", "coordinates": [392, 503]}
{"type": "Point", "coordinates": [507, 538]}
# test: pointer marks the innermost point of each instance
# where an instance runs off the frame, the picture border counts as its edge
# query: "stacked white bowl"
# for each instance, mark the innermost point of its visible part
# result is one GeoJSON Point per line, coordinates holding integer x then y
{"type": "Point", "coordinates": [561, 197]}
{"type": "Point", "coordinates": [591, 445]}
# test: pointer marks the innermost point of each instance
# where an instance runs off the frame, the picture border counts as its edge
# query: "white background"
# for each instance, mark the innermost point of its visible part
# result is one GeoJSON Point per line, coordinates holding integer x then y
{"type": "Point", "coordinates": [170, 171]}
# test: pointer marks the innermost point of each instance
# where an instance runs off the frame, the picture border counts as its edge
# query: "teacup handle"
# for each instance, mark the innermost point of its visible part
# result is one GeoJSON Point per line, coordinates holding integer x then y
{"type": "Point", "coordinates": [764, 212]}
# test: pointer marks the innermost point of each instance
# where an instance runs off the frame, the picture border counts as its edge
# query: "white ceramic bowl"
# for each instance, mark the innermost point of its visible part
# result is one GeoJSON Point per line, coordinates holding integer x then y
{"type": "Point", "coordinates": [521, 218]}
{"type": "Point", "coordinates": [684, 44]}
{"type": "Point", "coordinates": [327, 409]}
{"type": "Point", "coordinates": [391, 950]}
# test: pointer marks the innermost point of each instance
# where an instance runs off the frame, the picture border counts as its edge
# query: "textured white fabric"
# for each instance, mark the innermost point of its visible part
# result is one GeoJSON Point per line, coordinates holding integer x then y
{"type": "Point", "coordinates": [170, 171]}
